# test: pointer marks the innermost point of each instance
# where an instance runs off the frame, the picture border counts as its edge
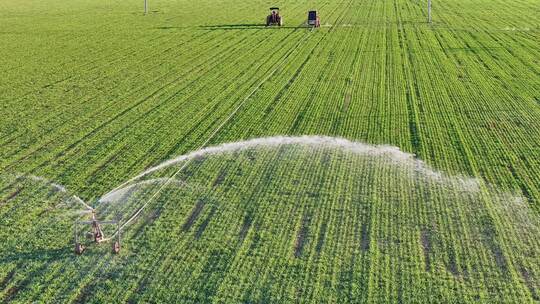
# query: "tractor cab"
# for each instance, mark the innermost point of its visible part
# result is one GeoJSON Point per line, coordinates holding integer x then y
{"type": "Point", "coordinates": [314, 19]}
{"type": "Point", "coordinates": [274, 18]}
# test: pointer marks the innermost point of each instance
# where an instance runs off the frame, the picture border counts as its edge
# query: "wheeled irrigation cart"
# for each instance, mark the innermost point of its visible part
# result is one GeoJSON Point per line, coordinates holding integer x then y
{"type": "Point", "coordinates": [97, 234]}
{"type": "Point", "coordinates": [274, 18]}
{"type": "Point", "coordinates": [313, 19]}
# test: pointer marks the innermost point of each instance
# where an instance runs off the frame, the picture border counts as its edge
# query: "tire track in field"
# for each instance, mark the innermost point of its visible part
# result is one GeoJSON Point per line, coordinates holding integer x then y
{"type": "Point", "coordinates": [523, 180]}
{"type": "Point", "coordinates": [475, 174]}
{"type": "Point", "coordinates": [55, 114]}
{"type": "Point", "coordinates": [98, 31]}
{"type": "Point", "coordinates": [282, 90]}
{"type": "Point", "coordinates": [318, 87]}
{"type": "Point", "coordinates": [90, 63]}
{"type": "Point", "coordinates": [103, 107]}
{"type": "Point", "coordinates": [269, 111]}
{"type": "Point", "coordinates": [117, 115]}
{"type": "Point", "coordinates": [180, 106]}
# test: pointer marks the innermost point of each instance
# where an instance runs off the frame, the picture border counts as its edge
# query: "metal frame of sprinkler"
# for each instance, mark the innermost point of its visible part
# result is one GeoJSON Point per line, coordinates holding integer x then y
{"type": "Point", "coordinates": [97, 233]}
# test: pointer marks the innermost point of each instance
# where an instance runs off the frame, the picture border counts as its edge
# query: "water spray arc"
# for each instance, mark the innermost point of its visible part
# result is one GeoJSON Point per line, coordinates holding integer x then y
{"type": "Point", "coordinates": [385, 155]}
{"type": "Point", "coordinates": [392, 154]}
{"type": "Point", "coordinates": [56, 187]}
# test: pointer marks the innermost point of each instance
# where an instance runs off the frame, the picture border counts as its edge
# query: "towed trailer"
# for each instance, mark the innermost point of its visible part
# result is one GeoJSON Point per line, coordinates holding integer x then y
{"type": "Point", "coordinates": [313, 19]}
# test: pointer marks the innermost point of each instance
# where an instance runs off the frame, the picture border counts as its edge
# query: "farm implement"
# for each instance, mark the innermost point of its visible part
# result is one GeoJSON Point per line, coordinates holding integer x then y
{"type": "Point", "coordinates": [314, 19]}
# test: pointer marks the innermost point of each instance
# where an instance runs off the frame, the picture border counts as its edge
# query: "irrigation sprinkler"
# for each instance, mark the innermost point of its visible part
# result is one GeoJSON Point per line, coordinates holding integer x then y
{"type": "Point", "coordinates": [96, 233]}
{"type": "Point", "coordinates": [428, 10]}
{"type": "Point", "coordinates": [145, 7]}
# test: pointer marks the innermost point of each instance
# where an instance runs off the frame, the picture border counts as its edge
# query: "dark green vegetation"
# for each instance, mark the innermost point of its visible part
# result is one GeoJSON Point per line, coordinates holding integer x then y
{"type": "Point", "coordinates": [93, 93]}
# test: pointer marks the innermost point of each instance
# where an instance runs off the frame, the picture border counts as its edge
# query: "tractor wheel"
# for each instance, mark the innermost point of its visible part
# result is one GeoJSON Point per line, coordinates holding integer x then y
{"type": "Point", "coordinates": [79, 248]}
{"type": "Point", "coordinates": [116, 247]}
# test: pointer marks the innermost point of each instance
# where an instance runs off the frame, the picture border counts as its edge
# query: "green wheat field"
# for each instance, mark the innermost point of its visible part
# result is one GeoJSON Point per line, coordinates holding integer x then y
{"type": "Point", "coordinates": [376, 159]}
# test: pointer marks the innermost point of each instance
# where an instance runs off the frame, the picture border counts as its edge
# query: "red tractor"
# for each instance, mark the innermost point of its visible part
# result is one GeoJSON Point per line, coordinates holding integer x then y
{"type": "Point", "coordinates": [274, 18]}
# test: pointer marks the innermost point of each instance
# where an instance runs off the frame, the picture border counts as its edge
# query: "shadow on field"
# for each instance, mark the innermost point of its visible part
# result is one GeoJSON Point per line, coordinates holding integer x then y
{"type": "Point", "coordinates": [38, 255]}
{"type": "Point", "coordinates": [243, 26]}
{"type": "Point", "coordinates": [149, 12]}
{"type": "Point", "coordinates": [170, 27]}
{"type": "Point", "coordinates": [475, 49]}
